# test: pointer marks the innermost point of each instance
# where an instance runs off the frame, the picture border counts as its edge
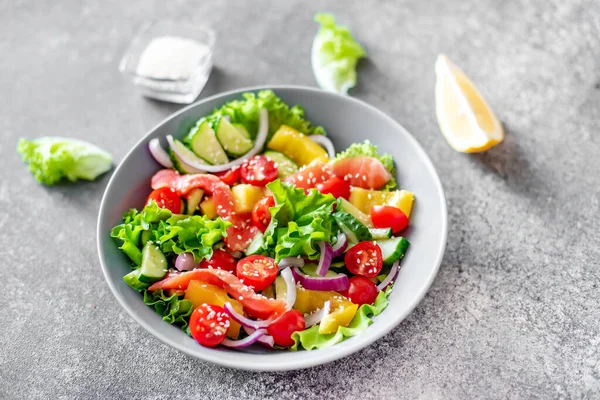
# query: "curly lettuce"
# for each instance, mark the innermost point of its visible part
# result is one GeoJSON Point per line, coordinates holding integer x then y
{"type": "Point", "coordinates": [370, 150]}
{"type": "Point", "coordinates": [51, 159]}
{"type": "Point", "coordinates": [173, 310]}
{"type": "Point", "coordinates": [298, 222]}
{"type": "Point", "coordinates": [335, 54]}
{"type": "Point", "coordinates": [176, 233]}
{"type": "Point", "coordinates": [310, 338]}
{"type": "Point", "coordinates": [245, 112]}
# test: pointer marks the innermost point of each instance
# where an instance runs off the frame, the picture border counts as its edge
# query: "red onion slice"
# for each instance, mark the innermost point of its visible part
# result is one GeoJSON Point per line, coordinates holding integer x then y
{"type": "Point", "coordinates": [185, 158]}
{"type": "Point", "coordinates": [263, 130]}
{"type": "Point", "coordinates": [340, 245]}
{"type": "Point", "coordinates": [245, 342]}
{"type": "Point", "coordinates": [265, 339]}
{"type": "Point", "coordinates": [290, 285]}
{"type": "Point", "coordinates": [318, 316]}
{"type": "Point", "coordinates": [159, 154]}
{"type": "Point", "coordinates": [290, 262]}
{"type": "Point", "coordinates": [244, 321]}
{"type": "Point", "coordinates": [330, 283]}
{"type": "Point", "coordinates": [325, 142]}
{"type": "Point", "coordinates": [185, 262]}
{"type": "Point", "coordinates": [325, 259]}
{"type": "Point", "coordinates": [390, 277]}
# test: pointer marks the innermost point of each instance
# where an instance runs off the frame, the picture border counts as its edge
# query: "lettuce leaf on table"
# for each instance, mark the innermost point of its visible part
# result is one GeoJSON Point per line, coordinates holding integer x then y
{"type": "Point", "coordinates": [334, 55]}
{"type": "Point", "coordinates": [245, 112]}
{"type": "Point", "coordinates": [298, 222]}
{"type": "Point", "coordinates": [369, 149]}
{"type": "Point", "coordinates": [310, 338]}
{"type": "Point", "coordinates": [175, 233]}
{"type": "Point", "coordinates": [51, 159]}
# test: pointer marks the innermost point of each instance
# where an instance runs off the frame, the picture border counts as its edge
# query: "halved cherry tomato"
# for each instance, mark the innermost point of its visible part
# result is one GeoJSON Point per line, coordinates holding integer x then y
{"type": "Point", "coordinates": [361, 291]}
{"type": "Point", "coordinates": [229, 177]}
{"type": "Point", "coordinates": [255, 305]}
{"type": "Point", "coordinates": [166, 198]}
{"type": "Point", "coordinates": [220, 260]}
{"type": "Point", "coordinates": [209, 324]}
{"type": "Point", "coordinates": [336, 186]}
{"type": "Point", "coordinates": [364, 259]}
{"type": "Point", "coordinates": [258, 171]}
{"type": "Point", "coordinates": [389, 217]}
{"type": "Point", "coordinates": [261, 215]}
{"type": "Point", "coordinates": [282, 328]}
{"type": "Point", "coordinates": [257, 271]}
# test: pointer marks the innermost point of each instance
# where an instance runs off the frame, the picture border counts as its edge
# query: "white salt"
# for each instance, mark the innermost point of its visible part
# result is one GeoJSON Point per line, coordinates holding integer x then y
{"type": "Point", "coordinates": [172, 58]}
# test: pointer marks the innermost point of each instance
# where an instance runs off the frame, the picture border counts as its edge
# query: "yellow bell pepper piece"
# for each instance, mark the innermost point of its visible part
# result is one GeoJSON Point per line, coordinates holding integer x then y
{"type": "Point", "coordinates": [341, 313]}
{"type": "Point", "coordinates": [246, 196]}
{"type": "Point", "coordinates": [203, 293]}
{"type": "Point", "coordinates": [209, 208]}
{"type": "Point", "coordinates": [365, 199]}
{"type": "Point", "coordinates": [296, 146]}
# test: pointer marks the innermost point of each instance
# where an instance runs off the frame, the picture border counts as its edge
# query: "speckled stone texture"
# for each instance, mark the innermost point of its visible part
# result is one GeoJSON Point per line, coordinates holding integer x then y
{"type": "Point", "coordinates": [513, 312]}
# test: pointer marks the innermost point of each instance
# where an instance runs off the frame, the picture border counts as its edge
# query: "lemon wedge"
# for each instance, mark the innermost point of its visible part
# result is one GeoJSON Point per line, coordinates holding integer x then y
{"type": "Point", "coordinates": [465, 118]}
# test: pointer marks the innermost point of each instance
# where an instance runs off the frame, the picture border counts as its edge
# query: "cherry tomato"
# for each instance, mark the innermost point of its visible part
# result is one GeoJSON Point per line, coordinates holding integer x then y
{"type": "Point", "coordinates": [166, 198]}
{"type": "Point", "coordinates": [336, 186]}
{"type": "Point", "coordinates": [230, 177]}
{"type": "Point", "coordinates": [209, 324]}
{"type": "Point", "coordinates": [361, 291]}
{"type": "Point", "coordinates": [220, 260]}
{"type": "Point", "coordinates": [258, 171]}
{"type": "Point", "coordinates": [257, 271]}
{"type": "Point", "coordinates": [364, 259]}
{"type": "Point", "coordinates": [261, 215]}
{"type": "Point", "coordinates": [389, 217]}
{"type": "Point", "coordinates": [282, 328]}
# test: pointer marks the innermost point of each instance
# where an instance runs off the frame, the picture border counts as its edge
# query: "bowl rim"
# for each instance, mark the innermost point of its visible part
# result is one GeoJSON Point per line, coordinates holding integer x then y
{"type": "Point", "coordinates": [331, 353]}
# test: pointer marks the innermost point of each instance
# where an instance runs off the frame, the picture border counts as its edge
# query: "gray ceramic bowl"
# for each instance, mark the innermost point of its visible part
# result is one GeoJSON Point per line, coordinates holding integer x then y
{"type": "Point", "coordinates": [346, 120]}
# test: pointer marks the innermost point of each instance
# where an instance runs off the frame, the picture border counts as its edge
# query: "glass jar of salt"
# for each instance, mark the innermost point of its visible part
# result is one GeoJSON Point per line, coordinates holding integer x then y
{"type": "Point", "coordinates": [170, 61]}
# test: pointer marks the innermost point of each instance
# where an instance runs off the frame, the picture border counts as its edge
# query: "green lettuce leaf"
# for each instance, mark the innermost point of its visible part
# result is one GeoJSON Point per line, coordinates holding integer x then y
{"type": "Point", "coordinates": [310, 338]}
{"type": "Point", "coordinates": [369, 149]}
{"type": "Point", "coordinates": [175, 233]}
{"type": "Point", "coordinates": [51, 159]}
{"type": "Point", "coordinates": [298, 222]}
{"type": "Point", "coordinates": [174, 310]}
{"type": "Point", "coordinates": [245, 112]}
{"type": "Point", "coordinates": [334, 56]}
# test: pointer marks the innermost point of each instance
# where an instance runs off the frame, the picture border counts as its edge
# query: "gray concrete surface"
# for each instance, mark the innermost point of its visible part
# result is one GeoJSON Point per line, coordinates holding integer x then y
{"type": "Point", "coordinates": [513, 312]}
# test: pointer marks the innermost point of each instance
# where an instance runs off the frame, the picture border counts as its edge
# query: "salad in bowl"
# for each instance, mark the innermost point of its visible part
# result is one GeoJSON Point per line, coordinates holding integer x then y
{"type": "Point", "coordinates": [258, 232]}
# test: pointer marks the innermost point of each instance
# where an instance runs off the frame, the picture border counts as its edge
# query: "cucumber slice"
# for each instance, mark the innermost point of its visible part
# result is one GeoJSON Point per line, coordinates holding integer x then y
{"type": "Point", "coordinates": [280, 288]}
{"type": "Point", "coordinates": [234, 142]}
{"type": "Point", "coordinates": [285, 166]}
{"type": "Point", "coordinates": [338, 265]}
{"type": "Point", "coordinates": [381, 233]}
{"type": "Point", "coordinates": [146, 236]}
{"type": "Point", "coordinates": [311, 270]}
{"type": "Point", "coordinates": [345, 205]}
{"type": "Point", "coordinates": [154, 264]}
{"type": "Point", "coordinates": [393, 249]}
{"type": "Point", "coordinates": [133, 281]}
{"type": "Point", "coordinates": [206, 146]}
{"type": "Point", "coordinates": [178, 164]}
{"type": "Point", "coordinates": [355, 230]}
{"type": "Point", "coordinates": [242, 130]}
{"type": "Point", "coordinates": [192, 200]}
{"type": "Point", "coordinates": [255, 246]}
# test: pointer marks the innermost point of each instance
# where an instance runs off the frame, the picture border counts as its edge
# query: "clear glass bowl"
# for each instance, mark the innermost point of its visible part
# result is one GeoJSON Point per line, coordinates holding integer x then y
{"type": "Point", "coordinates": [175, 89]}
